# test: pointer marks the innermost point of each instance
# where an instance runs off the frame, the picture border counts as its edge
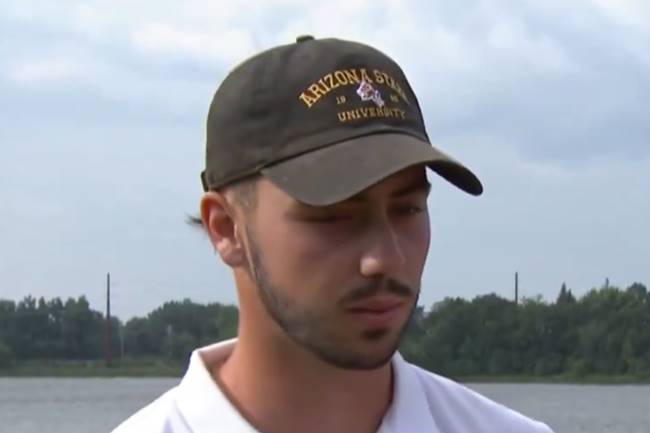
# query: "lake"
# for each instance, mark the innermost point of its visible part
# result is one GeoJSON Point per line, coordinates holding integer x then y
{"type": "Point", "coordinates": [37, 405]}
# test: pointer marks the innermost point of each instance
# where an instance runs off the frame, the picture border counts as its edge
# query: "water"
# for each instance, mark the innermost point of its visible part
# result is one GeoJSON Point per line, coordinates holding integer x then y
{"type": "Point", "coordinates": [578, 408]}
{"type": "Point", "coordinates": [97, 405]}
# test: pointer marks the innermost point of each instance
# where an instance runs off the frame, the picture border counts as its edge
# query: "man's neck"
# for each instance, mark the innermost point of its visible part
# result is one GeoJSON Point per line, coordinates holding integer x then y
{"type": "Point", "coordinates": [280, 389]}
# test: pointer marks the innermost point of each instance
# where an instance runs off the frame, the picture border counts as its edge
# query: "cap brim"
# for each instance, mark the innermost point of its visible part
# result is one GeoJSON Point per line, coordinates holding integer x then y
{"type": "Point", "coordinates": [339, 171]}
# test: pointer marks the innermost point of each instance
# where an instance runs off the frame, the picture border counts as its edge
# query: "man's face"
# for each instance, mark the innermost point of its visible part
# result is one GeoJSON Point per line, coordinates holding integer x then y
{"type": "Point", "coordinates": [341, 281]}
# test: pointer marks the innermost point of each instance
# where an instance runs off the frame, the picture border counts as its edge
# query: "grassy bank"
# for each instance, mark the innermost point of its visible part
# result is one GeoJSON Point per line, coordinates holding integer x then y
{"type": "Point", "coordinates": [145, 368]}
{"type": "Point", "coordinates": [592, 379]}
{"type": "Point", "coordinates": [162, 368]}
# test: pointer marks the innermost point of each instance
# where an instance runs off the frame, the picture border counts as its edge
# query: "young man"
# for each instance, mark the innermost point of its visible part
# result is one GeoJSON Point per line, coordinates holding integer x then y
{"type": "Point", "coordinates": [316, 197]}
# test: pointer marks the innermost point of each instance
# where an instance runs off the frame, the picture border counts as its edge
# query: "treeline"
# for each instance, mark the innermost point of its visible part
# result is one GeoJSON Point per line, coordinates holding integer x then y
{"type": "Point", "coordinates": [55, 330]}
{"type": "Point", "coordinates": [604, 332]}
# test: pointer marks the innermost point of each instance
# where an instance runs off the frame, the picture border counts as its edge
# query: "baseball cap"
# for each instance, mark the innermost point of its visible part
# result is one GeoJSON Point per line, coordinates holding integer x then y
{"type": "Point", "coordinates": [322, 119]}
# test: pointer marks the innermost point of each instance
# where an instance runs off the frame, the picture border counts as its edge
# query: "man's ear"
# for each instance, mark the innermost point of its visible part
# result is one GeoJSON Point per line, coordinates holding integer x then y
{"type": "Point", "coordinates": [219, 220]}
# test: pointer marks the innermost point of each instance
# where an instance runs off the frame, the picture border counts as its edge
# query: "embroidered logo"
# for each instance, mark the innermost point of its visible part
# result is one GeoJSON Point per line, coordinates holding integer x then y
{"type": "Point", "coordinates": [369, 93]}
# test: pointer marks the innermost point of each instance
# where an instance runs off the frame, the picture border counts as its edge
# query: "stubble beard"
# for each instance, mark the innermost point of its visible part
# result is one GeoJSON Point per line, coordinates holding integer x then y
{"type": "Point", "coordinates": [309, 330]}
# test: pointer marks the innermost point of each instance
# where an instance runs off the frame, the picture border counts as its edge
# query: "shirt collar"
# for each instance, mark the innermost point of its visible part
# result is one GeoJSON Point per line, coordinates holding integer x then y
{"type": "Point", "coordinates": [409, 410]}
{"type": "Point", "coordinates": [202, 403]}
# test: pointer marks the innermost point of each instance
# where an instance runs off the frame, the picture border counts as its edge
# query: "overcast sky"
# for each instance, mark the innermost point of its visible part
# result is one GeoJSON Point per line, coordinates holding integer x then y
{"type": "Point", "coordinates": [102, 137]}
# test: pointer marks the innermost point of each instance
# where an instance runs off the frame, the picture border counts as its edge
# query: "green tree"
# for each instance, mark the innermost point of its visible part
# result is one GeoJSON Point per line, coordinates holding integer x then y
{"type": "Point", "coordinates": [82, 330]}
{"type": "Point", "coordinates": [565, 296]}
{"type": "Point", "coordinates": [6, 356]}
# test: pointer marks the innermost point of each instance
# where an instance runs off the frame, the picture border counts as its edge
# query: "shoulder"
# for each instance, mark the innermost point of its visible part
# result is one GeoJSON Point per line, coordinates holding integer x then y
{"type": "Point", "coordinates": [458, 408]}
{"type": "Point", "coordinates": [159, 416]}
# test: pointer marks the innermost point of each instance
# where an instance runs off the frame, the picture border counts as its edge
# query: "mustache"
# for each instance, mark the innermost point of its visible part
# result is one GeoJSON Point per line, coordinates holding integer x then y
{"type": "Point", "coordinates": [369, 290]}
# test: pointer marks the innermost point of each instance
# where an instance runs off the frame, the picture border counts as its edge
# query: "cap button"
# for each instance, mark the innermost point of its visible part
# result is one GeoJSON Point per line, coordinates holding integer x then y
{"type": "Point", "coordinates": [304, 38]}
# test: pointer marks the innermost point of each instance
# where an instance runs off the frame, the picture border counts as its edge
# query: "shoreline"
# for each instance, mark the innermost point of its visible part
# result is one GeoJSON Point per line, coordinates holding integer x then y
{"type": "Point", "coordinates": [160, 369]}
{"type": "Point", "coordinates": [593, 379]}
{"type": "Point", "coordinates": [90, 369]}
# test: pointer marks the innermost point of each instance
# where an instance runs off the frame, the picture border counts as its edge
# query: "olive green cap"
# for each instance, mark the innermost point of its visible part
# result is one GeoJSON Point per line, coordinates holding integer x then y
{"type": "Point", "coordinates": [323, 120]}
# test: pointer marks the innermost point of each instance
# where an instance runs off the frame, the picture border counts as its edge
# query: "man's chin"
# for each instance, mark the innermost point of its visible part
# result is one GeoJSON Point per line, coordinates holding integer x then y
{"type": "Point", "coordinates": [366, 362]}
{"type": "Point", "coordinates": [371, 353]}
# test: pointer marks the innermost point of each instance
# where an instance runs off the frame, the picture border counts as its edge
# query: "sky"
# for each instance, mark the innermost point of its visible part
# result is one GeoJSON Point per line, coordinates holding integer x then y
{"type": "Point", "coordinates": [102, 139]}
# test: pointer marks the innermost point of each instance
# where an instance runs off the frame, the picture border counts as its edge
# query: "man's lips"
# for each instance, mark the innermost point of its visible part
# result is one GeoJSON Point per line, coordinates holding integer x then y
{"type": "Point", "coordinates": [376, 305]}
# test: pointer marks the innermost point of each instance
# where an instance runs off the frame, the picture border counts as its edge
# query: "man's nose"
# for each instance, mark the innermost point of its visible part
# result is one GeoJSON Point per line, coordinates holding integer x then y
{"type": "Point", "coordinates": [383, 254]}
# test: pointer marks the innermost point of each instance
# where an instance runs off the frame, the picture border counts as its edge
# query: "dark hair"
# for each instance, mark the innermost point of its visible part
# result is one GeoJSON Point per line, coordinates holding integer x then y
{"type": "Point", "coordinates": [243, 192]}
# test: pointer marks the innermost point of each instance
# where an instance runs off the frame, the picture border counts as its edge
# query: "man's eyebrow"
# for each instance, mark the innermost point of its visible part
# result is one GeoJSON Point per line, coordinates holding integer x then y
{"type": "Point", "coordinates": [418, 186]}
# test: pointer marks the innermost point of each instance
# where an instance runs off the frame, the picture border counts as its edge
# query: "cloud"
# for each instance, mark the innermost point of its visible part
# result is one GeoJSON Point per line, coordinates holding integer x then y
{"type": "Point", "coordinates": [630, 13]}
{"type": "Point", "coordinates": [225, 47]}
{"type": "Point", "coordinates": [31, 71]}
{"type": "Point", "coordinates": [560, 90]}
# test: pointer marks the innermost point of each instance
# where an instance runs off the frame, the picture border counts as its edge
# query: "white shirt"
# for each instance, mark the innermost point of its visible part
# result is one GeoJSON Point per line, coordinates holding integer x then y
{"type": "Point", "coordinates": [423, 402]}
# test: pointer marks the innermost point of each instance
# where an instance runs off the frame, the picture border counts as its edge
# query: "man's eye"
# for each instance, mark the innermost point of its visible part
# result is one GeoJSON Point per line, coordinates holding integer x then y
{"type": "Point", "coordinates": [410, 209]}
{"type": "Point", "coordinates": [328, 219]}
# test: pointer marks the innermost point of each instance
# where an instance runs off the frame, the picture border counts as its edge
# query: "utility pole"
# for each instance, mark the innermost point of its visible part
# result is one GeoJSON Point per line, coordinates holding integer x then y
{"type": "Point", "coordinates": [107, 337]}
{"type": "Point", "coordinates": [516, 288]}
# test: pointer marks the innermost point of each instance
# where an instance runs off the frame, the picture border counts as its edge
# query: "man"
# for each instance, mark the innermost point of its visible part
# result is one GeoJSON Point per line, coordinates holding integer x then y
{"type": "Point", "coordinates": [316, 197]}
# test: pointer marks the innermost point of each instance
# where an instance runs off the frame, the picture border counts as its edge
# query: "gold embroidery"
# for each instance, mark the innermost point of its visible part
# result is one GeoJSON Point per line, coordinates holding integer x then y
{"type": "Point", "coordinates": [369, 112]}
{"type": "Point", "coordinates": [347, 77]}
